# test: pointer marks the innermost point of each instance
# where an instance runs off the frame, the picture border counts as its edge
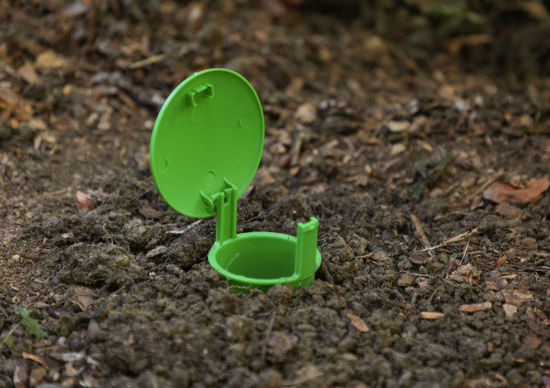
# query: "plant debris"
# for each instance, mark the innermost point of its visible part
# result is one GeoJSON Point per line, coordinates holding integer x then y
{"type": "Point", "coordinates": [466, 274]}
{"type": "Point", "coordinates": [83, 202]}
{"type": "Point", "coordinates": [358, 323]}
{"type": "Point", "coordinates": [474, 307]}
{"type": "Point", "coordinates": [432, 315]}
{"type": "Point", "coordinates": [505, 192]}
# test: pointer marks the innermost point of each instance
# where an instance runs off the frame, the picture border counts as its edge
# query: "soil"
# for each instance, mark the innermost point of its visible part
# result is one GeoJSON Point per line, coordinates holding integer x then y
{"type": "Point", "coordinates": [391, 155]}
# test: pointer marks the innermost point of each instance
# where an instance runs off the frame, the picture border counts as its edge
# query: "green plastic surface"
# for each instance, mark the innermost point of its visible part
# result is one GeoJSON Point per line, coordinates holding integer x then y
{"type": "Point", "coordinates": [263, 259]}
{"type": "Point", "coordinates": [205, 148]}
{"type": "Point", "coordinates": [260, 259]}
{"type": "Point", "coordinates": [210, 129]}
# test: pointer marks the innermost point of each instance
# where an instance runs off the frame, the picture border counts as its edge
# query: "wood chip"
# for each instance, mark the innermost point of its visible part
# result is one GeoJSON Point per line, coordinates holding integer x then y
{"type": "Point", "coordinates": [431, 315]}
{"type": "Point", "coordinates": [475, 307]}
{"type": "Point", "coordinates": [358, 323]}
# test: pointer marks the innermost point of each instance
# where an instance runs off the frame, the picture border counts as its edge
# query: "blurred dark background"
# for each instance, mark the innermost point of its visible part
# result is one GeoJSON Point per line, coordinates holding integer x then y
{"type": "Point", "coordinates": [509, 36]}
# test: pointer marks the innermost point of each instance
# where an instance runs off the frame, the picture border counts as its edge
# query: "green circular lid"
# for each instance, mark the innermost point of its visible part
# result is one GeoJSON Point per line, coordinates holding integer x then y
{"type": "Point", "coordinates": [210, 128]}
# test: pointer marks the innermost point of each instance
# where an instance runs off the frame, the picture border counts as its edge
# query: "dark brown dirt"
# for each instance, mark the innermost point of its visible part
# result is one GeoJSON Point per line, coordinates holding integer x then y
{"type": "Point", "coordinates": [357, 134]}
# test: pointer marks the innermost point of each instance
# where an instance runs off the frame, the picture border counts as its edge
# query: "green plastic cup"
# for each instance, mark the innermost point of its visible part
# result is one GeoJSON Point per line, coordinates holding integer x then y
{"type": "Point", "coordinates": [205, 148]}
{"type": "Point", "coordinates": [263, 259]}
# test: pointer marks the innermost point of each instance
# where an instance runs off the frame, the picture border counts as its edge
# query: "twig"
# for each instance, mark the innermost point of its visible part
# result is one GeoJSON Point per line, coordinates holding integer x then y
{"type": "Point", "coordinates": [267, 335]}
{"type": "Point", "coordinates": [482, 188]}
{"type": "Point", "coordinates": [432, 296]}
{"type": "Point", "coordinates": [9, 333]}
{"type": "Point", "coordinates": [419, 274]}
{"type": "Point", "coordinates": [421, 234]}
{"type": "Point", "coordinates": [366, 256]}
{"type": "Point", "coordinates": [186, 229]}
{"type": "Point", "coordinates": [146, 61]}
{"type": "Point", "coordinates": [465, 252]}
{"type": "Point", "coordinates": [454, 239]}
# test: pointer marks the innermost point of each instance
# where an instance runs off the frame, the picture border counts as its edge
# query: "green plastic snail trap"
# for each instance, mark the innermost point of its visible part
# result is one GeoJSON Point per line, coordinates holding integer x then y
{"type": "Point", "coordinates": [205, 148]}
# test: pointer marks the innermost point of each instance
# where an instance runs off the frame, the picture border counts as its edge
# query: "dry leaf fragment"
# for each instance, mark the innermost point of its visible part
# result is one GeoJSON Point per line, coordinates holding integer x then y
{"type": "Point", "coordinates": [535, 9]}
{"type": "Point", "coordinates": [37, 375]}
{"type": "Point", "coordinates": [475, 307]}
{"type": "Point", "coordinates": [83, 297]}
{"type": "Point", "coordinates": [148, 212]}
{"type": "Point", "coordinates": [507, 210]}
{"type": "Point", "coordinates": [380, 256]}
{"type": "Point", "coordinates": [306, 113]}
{"type": "Point", "coordinates": [28, 74]}
{"type": "Point", "coordinates": [20, 374]}
{"type": "Point", "coordinates": [422, 282]}
{"type": "Point", "coordinates": [517, 297]}
{"type": "Point", "coordinates": [431, 315]}
{"type": "Point", "coordinates": [420, 258]}
{"type": "Point", "coordinates": [358, 323]}
{"type": "Point", "coordinates": [466, 273]}
{"type": "Point", "coordinates": [504, 192]}
{"type": "Point", "coordinates": [68, 356]}
{"type": "Point", "coordinates": [398, 126]}
{"type": "Point", "coordinates": [405, 280]}
{"type": "Point", "coordinates": [398, 148]}
{"type": "Point", "coordinates": [510, 276]}
{"type": "Point", "coordinates": [83, 201]}
{"type": "Point", "coordinates": [75, 9]}
{"type": "Point", "coordinates": [264, 177]}
{"type": "Point", "coordinates": [540, 315]}
{"type": "Point", "coordinates": [501, 261]}
{"type": "Point", "coordinates": [48, 60]}
{"type": "Point", "coordinates": [509, 310]}
{"type": "Point", "coordinates": [532, 341]}
{"type": "Point", "coordinates": [16, 105]}
{"type": "Point", "coordinates": [34, 357]}
{"type": "Point", "coordinates": [280, 343]}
